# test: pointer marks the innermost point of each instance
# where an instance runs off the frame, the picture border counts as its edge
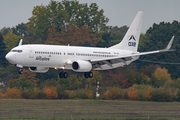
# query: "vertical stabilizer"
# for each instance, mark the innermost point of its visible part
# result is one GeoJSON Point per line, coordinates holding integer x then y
{"type": "Point", "coordinates": [131, 39]}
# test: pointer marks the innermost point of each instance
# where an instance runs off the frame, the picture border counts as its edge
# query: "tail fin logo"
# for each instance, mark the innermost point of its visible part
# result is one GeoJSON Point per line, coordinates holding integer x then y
{"type": "Point", "coordinates": [132, 37]}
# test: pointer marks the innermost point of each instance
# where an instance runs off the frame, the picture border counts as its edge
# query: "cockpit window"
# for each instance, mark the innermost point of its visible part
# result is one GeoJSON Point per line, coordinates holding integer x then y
{"type": "Point", "coordinates": [19, 51]}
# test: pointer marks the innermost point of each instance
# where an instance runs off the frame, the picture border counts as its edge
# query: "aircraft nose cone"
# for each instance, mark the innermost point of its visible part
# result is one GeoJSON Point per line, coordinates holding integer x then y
{"type": "Point", "coordinates": [9, 57]}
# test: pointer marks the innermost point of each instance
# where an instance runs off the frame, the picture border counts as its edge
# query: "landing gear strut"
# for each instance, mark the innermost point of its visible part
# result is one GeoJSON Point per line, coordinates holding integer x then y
{"type": "Point", "coordinates": [20, 71]}
{"type": "Point", "coordinates": [88, 74]}
{"type": "Point", "coordinates": [63, 74]}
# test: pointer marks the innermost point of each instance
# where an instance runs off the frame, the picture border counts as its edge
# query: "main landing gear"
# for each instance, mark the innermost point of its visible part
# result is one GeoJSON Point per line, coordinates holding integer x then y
{"type": "Point", "coordinates": [88, 74]}
{"type": "Point", "coordinates": [63, 74]}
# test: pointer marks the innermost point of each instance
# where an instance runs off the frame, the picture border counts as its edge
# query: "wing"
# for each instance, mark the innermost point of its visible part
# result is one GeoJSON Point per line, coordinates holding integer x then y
{"type": "Point", "coordinates": [131, 57]}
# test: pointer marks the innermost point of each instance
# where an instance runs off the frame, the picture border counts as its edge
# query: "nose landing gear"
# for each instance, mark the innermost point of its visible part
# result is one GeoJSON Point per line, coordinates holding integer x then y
{"type": "Point", "coordinates": [20, 71]}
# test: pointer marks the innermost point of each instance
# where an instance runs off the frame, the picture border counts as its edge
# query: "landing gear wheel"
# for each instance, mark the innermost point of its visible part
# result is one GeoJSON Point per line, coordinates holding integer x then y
{"type": "Point", "coordinates": [86, 75]}
{"type": "Point", "coordinates": [61, 74]}
{"type": "Point", "coordinates": [90, 74]}
{"type": "Point", "coordinates": [65, 74]}
{"type": "Point", "coordinates": [20, 71]}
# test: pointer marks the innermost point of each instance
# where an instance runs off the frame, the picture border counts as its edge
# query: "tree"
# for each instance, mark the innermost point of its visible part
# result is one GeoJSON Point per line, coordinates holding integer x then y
{"type": "Point", "coordinates": [132, 94]}
{"type": "Point", "coordinates": [2, 52]}
{"type": "Point", "coordinates": [119, 80]}
{"type": "Point", "coordinates": [21, 30]}
{"type": "Point", "coordinates": [11, 40]}
{"type": "Point", "coordinates": [61, 14]}
{"type": "Point", "coordinates": [157, 38]}
{"type": "Point", "coordinates": [161, 75]}
{"type": "Point", "coordinates": [97, 77]}
{"type": "Point", "coordinates": [12, 93]}
{"type": "Point", "coordinates": [29, 76]}
{"type": "Point", "coordinates": [51, 92]}
{"type": "Point", "coordinates": [114, 36]}
{"type": "Point", "coordinates": [148, 94]}
{"type": "Point", "coordinates": [25, 84]}
{"type": "Point", "coordinates": [5, 31]}
{"type": "Point", "coordinates": [73, 36]}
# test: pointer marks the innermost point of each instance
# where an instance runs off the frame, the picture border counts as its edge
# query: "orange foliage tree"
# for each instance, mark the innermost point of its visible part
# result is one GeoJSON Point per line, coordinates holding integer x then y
{"type": "Point", "coordinates": [119, 80]}
{"type": "Point", "coordinates": [1, 94]}
{"type": "Point", "coordinates": [148, 94]}
{"type": "Point", "coordinates": [72, 35]}
{"type": "Point", "coordinates": [111, 93]}
{"type": "Point", "coordinates": [50, 92]}
{"type": "Point", "coordinates": [12, 93]}
{"type": "Point", "coordinates": [132, 94]}
{"type": "Point", "coordinates": [89, 94]}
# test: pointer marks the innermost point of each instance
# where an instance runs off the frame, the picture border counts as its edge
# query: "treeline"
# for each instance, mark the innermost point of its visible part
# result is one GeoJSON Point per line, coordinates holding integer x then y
{"type": "Point", "coordinates": [69, 22]}
{"type": "Point", "coordinates": [157, 87]}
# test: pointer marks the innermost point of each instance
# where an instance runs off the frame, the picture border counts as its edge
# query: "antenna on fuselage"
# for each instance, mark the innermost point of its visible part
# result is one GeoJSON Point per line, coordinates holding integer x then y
{"type": "Point", "coordinates": [20, 42]}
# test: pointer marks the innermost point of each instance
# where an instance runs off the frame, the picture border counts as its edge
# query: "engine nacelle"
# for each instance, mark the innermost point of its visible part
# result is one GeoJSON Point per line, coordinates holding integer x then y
{"type": "Point", "coordinates": [39, 69]}
{"type": "Point", "coordinates": [81, 66]}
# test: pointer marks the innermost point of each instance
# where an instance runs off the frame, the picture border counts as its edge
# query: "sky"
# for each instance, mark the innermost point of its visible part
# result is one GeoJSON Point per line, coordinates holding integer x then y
{"type": "Point", "coordinates": [119, 12]}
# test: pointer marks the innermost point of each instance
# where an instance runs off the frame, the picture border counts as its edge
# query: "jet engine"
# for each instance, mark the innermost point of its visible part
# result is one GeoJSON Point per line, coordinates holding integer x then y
{"type": "Point", "coordinates": [39, 69]}
{"type": "Point", "coordinates": [81, 66]}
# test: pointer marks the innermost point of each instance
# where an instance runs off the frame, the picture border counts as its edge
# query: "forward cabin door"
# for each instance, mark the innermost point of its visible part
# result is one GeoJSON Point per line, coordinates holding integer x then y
{"type": "Point", "coordinates": [31, 53]}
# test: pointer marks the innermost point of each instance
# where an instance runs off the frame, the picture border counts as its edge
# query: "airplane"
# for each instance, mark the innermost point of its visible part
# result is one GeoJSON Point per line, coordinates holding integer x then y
{"type": "Point", "coordinates": [39, 57]}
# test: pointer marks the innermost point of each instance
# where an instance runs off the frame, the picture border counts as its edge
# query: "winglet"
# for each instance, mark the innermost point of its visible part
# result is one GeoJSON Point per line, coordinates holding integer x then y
{"type": "Point", "coordinates": [169, 45]}
{"type": "Point", "coordinates": [20, 42]}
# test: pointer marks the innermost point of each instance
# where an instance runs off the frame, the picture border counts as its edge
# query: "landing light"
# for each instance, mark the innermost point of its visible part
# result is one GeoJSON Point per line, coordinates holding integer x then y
{"type": "Point", "coordinates": [69, 62]}
{"type": "Point", "coordinates": [62, 67]}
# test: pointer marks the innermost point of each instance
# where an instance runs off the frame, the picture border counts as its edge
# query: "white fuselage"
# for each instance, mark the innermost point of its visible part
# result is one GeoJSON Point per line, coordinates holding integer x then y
{"type": "Point", "coordinates": [56, 56]}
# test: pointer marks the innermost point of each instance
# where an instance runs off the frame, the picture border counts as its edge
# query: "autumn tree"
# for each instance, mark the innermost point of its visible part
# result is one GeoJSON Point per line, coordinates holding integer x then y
{"type": "Point", "coordinates": [89, 94]}
{"type": "Point", "coordinates": [119, 80]}
{"type": "Point", "coordinates": [12, 93]}
{"type": "Point", "coordinates": [111, 93]}
{"type": "Point", "coordinates": [148, 94]}
{"type": "Point", "coordinates": [161, 75]}
{"type": "Point", "coordinates": [50, 92]}
{"type": "Point", "coordinates": [97, 77]}
{"type": "Point", "coordinates": [29, 76]}
{"type": "Point", "coordinates": [1, 94]}
{"type": "Point", "coordinates": [73, 36]}
{"type": "Point", "coordinates": [11, 40]}
{"type": "Point", "coordinates": [158, 36]}
{"type": "Point", "coordinates": [132, 94]}
{"type": "Point", "coordinates": [61, 14]}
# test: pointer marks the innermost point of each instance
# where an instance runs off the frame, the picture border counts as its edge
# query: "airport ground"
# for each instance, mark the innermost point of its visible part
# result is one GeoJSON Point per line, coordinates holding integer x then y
{"type": "Point", "coordinates": [87, 109]}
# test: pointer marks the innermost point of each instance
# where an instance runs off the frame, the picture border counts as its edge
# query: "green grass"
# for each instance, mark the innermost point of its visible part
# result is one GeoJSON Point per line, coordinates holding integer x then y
{"type": "Point", "coordinates": [87, 119]}
{"type": "Point", "coordinates": [87, 109]}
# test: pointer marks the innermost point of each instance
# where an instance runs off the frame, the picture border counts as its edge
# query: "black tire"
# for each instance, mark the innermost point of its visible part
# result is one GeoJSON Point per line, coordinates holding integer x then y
{"type": "Point", "coordinates": [61, 75]}
{"type": "Point", "coordinates": [90, 74]}
{"type": "Point", "coordinates": [65, 74]}
{"type": "Point", "coordinates": [20, 71]}
{"type": "Point", "coordinates": [86, 75]}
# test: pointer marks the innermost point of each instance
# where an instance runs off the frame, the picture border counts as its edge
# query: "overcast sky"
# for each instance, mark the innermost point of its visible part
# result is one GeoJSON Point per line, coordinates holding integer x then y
{"type": "Point", "coordinates": [119, 12]}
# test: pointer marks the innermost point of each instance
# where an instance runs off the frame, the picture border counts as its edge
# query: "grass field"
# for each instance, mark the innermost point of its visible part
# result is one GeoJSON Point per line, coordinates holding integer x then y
{"type": "Point", "coordinates": [87, 109]}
